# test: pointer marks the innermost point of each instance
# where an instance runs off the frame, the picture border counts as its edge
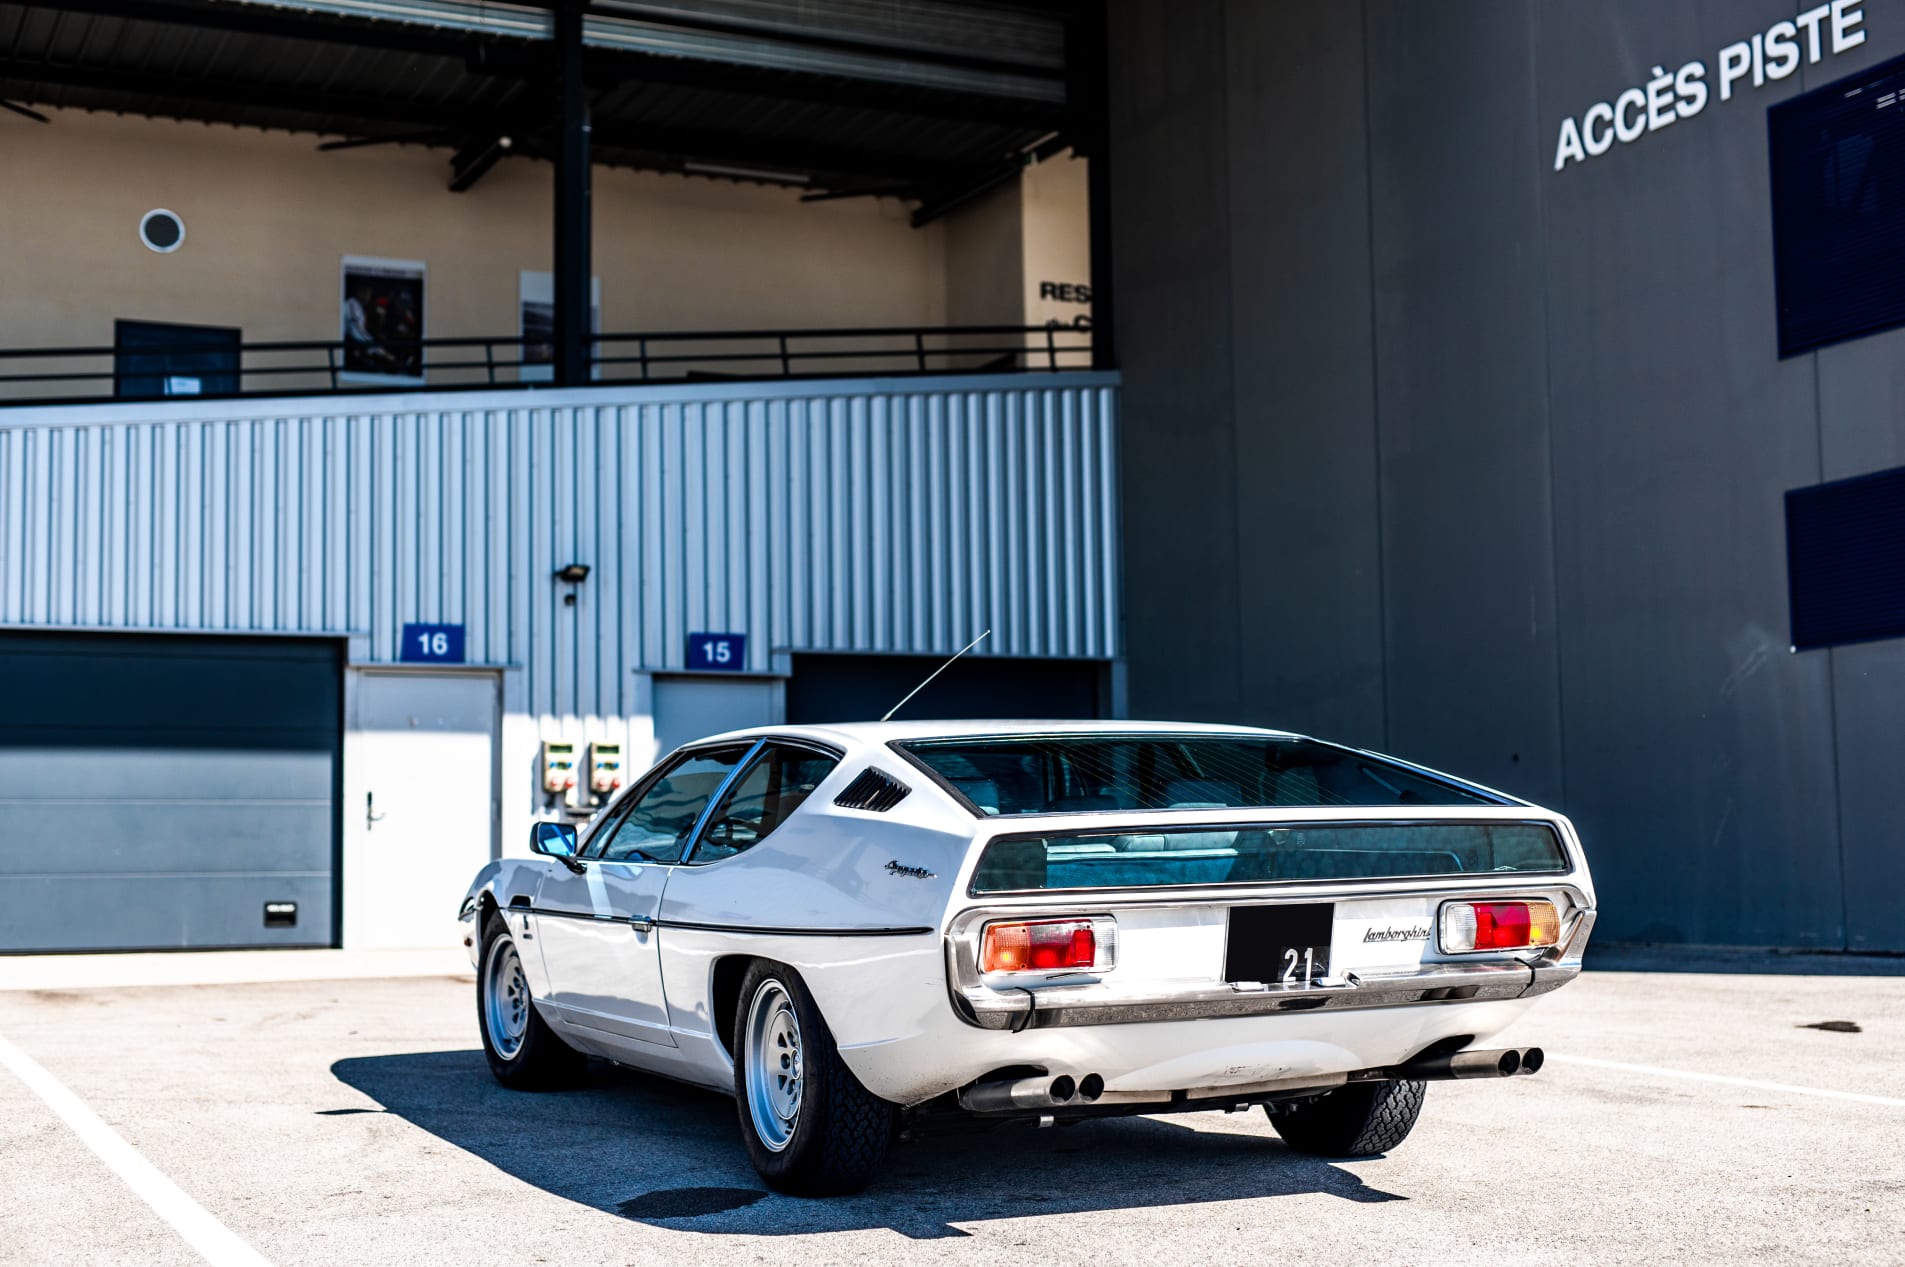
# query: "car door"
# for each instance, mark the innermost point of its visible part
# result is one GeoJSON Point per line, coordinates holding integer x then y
{"type": "Point", "coordinates": [600, 946]}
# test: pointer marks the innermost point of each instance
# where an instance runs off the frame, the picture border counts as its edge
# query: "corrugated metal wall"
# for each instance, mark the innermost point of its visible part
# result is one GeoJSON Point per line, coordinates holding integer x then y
{"type": "Point", "coordinates": [881, 515]}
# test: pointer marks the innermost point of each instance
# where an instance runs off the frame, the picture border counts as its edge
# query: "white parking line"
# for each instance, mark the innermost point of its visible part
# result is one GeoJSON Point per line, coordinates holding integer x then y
{"type": "Point", "coordinates": [217, 1243]}
{"type": "Point", "coordinates": [1656, 1071]}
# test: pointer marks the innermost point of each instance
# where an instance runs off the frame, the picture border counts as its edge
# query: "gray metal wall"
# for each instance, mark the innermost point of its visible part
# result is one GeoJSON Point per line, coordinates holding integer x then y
{"type": "Point", "coordinates": [1430, 447]}
{"type": "Point", "coordinates": [898, 515]}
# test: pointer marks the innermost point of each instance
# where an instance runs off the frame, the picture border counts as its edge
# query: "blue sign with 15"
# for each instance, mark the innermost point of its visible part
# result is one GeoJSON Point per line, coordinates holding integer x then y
{"type": "Point", "coordinates": [717, 652]}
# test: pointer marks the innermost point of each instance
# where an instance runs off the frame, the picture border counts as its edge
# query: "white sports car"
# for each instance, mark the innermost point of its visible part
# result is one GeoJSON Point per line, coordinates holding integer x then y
{"type": "Point", "coordinates": [864, 931]}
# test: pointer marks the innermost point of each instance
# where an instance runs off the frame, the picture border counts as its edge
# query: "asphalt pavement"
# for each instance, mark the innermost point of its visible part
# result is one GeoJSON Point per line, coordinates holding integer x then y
{"type": "Point", "coordinates": [1685, 1116]}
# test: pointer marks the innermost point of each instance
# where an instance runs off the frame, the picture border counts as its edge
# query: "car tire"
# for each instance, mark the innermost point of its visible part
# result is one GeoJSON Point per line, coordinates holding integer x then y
{"type": "Point", "coordinates": [523, 1052]}
{"type": "Point", "coordinates": [1358, 1120]}
{"type": "Point", "coordinates": [811, 1128]}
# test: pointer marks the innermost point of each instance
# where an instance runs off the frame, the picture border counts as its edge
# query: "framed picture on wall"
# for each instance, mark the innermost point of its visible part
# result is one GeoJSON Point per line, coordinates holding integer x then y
{"type": "Point", "coordinates": [537, 324]}
{"type": "Point", "coordinates": [381, 312]}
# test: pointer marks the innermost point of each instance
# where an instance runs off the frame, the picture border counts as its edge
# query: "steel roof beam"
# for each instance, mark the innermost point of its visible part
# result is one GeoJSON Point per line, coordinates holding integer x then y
{"type": "Point", "coordinates": [469, 164]}
{"type": "Point", "coordinates": [669, 145]}
{"type": "Point", "coordinates": [976, 184]}
{"type": "Point", "coordinates": [608, 66]}
{"type": "Point", "coordinates": [254, 96]}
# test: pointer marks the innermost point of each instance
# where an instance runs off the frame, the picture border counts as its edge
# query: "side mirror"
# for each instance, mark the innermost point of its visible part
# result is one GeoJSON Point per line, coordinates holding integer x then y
{"type": "Point", "coordinates": [556, 840]}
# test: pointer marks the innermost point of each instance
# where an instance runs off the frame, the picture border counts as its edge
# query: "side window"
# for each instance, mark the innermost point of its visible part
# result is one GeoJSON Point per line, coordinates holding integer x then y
{"type": "Point", "coordinates": [761, 799]}
{"type": "Point", "coordinates": [656, 828]}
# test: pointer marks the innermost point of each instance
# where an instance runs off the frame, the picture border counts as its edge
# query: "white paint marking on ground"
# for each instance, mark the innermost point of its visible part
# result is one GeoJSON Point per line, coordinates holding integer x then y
{"type": "Point", "coordinates": [218, 1244]}
{"type": "Point", "coordinates": [1655, 1071]}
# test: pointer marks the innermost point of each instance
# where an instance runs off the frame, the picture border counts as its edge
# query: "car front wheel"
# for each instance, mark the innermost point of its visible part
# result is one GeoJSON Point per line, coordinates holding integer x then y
{"type": "Point", "coordinates": [811, 1129]}
{"type": "Point", "coordinates": [1358, 1120]}
{"type": "Point", "coordinates": [523, 1052]}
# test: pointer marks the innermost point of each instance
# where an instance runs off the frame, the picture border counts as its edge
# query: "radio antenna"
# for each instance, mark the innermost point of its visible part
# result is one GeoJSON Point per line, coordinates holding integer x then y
{"type": "Point", "coordinates": [935, 673]}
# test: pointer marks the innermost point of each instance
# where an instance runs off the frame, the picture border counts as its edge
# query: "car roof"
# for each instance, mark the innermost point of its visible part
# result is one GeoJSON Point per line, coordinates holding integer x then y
{"type": "Point", "coordinates": [861, 735]}
{"type": "Point", "coordinates": [879, 732]}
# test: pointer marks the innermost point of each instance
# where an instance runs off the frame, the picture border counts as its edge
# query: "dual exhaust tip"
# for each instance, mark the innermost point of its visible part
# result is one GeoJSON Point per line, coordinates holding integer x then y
{"type": "Point", "coordinates": [1041, 1092]}
{"type": "Point", "coordinates": [1505, 1063]}
{"type": "Point", "coordinates": [1015, 1095]}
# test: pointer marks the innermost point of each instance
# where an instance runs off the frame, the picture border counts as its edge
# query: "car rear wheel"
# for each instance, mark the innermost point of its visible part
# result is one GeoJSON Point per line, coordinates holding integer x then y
{"type": "Point", "coordinates": [523, 1052]}
{"type": "Point", "coordinates": [811, 1129]}
{"type": "Point", "coordinates": [1358, 1120]}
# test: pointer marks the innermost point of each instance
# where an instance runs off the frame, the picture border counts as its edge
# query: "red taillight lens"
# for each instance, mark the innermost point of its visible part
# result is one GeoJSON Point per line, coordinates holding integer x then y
{"type": "Point", "coordinates": [1501, 925]}
{"type": "Point", "coordinates": [1468, 926]}
{"type": "Point", "coordinates": [1038, 947]}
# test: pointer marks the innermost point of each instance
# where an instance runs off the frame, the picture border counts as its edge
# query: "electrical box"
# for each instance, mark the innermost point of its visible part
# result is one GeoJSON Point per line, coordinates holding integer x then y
{"type": "Point", "coordinates": [558, 770]}
{"type": "Point", "coordinates": [605, 771]}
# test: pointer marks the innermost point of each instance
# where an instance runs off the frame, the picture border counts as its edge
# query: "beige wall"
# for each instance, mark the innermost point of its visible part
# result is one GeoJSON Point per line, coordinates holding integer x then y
{"type": "Point", "coordinates": [985, 260]}
{"type": "Point", "coordinates": [1057, 242]}
{"type": "Point", "coordinates": [267, 218]}
{"type": "Point", "coordinates": [1003, 248]}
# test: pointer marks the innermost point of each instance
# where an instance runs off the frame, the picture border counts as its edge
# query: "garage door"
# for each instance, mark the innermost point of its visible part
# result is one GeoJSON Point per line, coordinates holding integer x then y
{"type": "Point", "coordinates": [828, 688]}
{"type": "Point", "coordinates": [164, 792]}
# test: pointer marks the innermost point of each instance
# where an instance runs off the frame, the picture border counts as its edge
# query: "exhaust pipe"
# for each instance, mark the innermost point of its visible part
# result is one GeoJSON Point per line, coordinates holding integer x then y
{"type": "Point", "coordinates": [1471, 1064]}
{"type": "Point", "coordinates": [1016, 1095]}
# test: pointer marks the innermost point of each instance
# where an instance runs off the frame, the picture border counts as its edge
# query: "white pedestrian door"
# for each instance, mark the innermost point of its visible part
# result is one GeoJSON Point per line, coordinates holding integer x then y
{"type": "Point", "coordinates": [420, 810]}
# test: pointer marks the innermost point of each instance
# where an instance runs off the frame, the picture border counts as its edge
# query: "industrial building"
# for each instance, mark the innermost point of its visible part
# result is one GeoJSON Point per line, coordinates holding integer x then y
{"type": "Point", "coordinates": [415, 416]}
{"type": "Point", "coordinates": [361, 503]}
{"type": "Point", "coordinates": [1470, 446]}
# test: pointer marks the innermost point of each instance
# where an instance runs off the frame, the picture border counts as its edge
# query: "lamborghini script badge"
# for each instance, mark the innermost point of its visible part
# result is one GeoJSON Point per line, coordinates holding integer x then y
{"type": "Point", "coordinates": [899, 868]}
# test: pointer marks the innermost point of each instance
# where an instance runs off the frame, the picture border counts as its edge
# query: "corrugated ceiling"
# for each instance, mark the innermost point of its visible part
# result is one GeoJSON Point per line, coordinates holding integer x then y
{"type": "Point", "coordinates": [914, 97]}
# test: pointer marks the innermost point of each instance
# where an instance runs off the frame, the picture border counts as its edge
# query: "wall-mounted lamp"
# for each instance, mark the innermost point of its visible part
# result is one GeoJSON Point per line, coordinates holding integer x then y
{"type": "Point", "coordinates": [572, 574]}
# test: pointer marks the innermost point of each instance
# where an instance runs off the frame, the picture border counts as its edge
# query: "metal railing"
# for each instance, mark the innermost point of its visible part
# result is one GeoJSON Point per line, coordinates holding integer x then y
{"type": "Point", "coordinates": [302, 367]}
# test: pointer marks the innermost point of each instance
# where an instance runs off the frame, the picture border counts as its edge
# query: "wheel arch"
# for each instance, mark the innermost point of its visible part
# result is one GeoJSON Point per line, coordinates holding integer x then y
{"type": "Point", "coordinates": [724, 995]}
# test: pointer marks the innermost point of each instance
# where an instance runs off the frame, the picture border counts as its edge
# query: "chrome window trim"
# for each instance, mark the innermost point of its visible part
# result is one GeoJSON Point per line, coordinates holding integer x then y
{"type": "Point", "coordinates": [753, 754]}
{"type": "Point", "coordinates": [617, 811]}
{"type": "Point", "coordinates": [719, 794]}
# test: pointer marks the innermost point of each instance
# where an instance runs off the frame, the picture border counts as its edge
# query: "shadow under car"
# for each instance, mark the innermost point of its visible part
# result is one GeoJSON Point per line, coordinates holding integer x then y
{"type": "Point", "coordinates": [668, 1154]}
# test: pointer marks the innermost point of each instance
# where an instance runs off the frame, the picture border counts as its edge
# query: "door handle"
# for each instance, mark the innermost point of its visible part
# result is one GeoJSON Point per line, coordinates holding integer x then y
{"type": "Point", "coordinates": [640, 923]}
{"type": "Point", "coordinates": [370, 817]}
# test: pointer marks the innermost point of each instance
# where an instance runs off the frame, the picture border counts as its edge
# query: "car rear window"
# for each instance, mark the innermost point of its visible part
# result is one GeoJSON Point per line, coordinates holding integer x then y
{"type": "Point", "coordinates": [1262, 854]}
{"type": "Point", "coordinates": [1103, 773]}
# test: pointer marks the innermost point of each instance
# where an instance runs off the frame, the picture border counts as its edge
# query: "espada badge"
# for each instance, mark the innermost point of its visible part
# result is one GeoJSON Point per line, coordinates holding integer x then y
{"type": "Point", "coordinates": [899, 868]}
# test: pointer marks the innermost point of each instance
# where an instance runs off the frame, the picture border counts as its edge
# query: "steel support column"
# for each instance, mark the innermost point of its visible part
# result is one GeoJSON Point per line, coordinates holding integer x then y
{"type": "Point", "coordinates": [1088, 94]}
{"type": "Point", "coordinates": [575, 223]}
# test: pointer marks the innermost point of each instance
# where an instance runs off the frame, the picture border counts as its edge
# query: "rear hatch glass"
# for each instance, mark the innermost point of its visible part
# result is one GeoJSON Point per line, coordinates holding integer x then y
{"type": "Point", "coordinates": [1106, 773]}
{"type": "Point", "coordinates": [1139, 856]}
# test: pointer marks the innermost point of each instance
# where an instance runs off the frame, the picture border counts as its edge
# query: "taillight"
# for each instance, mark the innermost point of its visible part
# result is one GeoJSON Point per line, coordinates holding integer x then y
{"type": "Point", "coordinates": [1468, 926]}
{"type": "Point", "coordinates": [1040, 946]}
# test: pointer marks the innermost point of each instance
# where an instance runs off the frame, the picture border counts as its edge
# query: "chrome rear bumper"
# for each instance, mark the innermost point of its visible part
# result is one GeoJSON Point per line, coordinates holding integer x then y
{"type": "Point", "coordinates": [1103, 1003]}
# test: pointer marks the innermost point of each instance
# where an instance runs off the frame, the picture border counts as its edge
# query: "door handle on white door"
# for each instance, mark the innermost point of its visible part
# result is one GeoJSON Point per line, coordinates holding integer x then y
{"type": "Point", "coordinates": [371, 818]}
{"type": "Point", "coordinates": [640, 923]}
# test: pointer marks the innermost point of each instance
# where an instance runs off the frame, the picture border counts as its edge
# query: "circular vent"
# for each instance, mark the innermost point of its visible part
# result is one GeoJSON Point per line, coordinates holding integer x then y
{"type": "Point", "coordinates": [162, 231]}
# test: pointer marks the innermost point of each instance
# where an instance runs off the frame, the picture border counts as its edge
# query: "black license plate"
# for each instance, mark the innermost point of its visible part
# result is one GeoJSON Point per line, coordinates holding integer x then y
{"type": "Point", "coordinates": [1279, 945]}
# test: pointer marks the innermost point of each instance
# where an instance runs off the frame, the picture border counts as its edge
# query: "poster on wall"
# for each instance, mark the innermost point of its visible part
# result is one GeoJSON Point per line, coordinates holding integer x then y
{"type": "Point", "coordinates": [537, 324]}
{"type": "Point", "coordinates": [382, 310]}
